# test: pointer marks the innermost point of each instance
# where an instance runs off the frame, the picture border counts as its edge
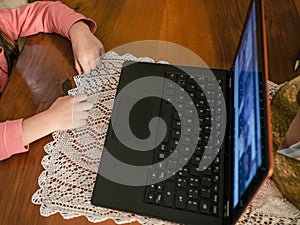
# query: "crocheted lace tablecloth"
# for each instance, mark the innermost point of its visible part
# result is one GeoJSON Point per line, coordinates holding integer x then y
{"type": "Point", "coordinates": [72, 159]}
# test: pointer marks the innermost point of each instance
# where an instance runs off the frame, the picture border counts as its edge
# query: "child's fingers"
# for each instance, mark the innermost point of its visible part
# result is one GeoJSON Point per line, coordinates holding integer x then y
{"type": "Point", "coordinates": [80, 98]}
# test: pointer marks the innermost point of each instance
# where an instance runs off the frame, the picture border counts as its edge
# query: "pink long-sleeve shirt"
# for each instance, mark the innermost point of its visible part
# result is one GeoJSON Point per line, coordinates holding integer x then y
{"type": "Point", "coordinates": [29, 19]}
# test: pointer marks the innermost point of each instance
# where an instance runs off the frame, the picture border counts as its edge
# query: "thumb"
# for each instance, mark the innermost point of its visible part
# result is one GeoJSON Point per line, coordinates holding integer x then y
{"type": "Point", "coordinates": [78, 67]}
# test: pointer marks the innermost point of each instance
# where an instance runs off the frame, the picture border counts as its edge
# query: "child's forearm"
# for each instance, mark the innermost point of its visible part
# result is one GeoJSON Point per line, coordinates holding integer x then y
{"type": "Point", "coordinates": [36, 127]}
{"type": "Point", "coordinates": [65, 113]}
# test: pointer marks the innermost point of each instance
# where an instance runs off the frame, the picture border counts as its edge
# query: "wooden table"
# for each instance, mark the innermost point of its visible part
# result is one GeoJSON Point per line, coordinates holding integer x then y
{"type": "Point", "coordinates": [209, 28]}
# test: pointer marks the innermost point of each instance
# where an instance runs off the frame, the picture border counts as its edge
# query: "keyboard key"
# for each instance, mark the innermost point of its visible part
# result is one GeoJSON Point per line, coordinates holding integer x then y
{"type": "Point", "coordinates": [186, 151]}
{"type": "Point", "coordinates": [200, 95]}
{"type": "Point", "coordinates": [215, 210]}
{"type": "Point", "coordinates": [179, 99]}
{"type": "Point", "coordinates": [207, 129]}
{"type": "Point", "coordinates": [199, 149]}
{"type": "Point", "coordinates": [216, 179]}
{"type": "Point", "coordinates": [170, 173]}
{"type": "Point", "coordinates": [205, 207]}
{"type": "Point", "coordinates": [190, 80]}
{"type": "Point", "coordinates": [215, 198]}
{"type": "Point", "coordinates": [167, 114]}
{"type": "Point", "coordinates": [216, 188]}
{"type": "Point", "coordinates": [220, 81]}
{"type": "Point", "coordinates": [181, 83]}
{"type": "Point", "coordinates": [205, 193]}
{"type": "Point", "coordinates": [162, 147]}
{"type": "Point", "coordinates": [151, 187]}
{"type": "Point", "coordinates": [161, 155]}
{"type": "Point", "coordinates": [159, 187]}
{"type": "Point", "coordinates": [170, 85]}
{"type": "Point", "coordinates": [192, 206]}
{"type": "Point", "coordinates": [207, 172]}
{"type": "Point", "coordinates": [169, 194]}
{"type": "Point", "coordinates": [176, 125]}
{"type": "Point", "coordinates": [193, 193]}
{"type": "Point", "coordinates": [171, 76]}
{"type": "Point", "coordinates": [169, 98]}
{"type": "Point", "coordinates": [181, 183]}
{"type": "Point", "coordinates": [191, 87]}
{"type": "Point", "coordinates": [216, 169]}
{"type": "Point", "coordinates": [217, 160]}
{"type": "Point", "coordinates": [160, 166]}
{"type": "Point", "coordinates": [192, 95]}
{"type": "Point", "coordinates": [172, 164]}
{"type": "Point", "coordinates": [187, 121]}
{"type": "Point", "coordinates": [194, 182]}
{"type": "Point", "coordinates": [153, 175]}
{"type": "Point", "coordinates": [195, 171]}
{"type": "Point", "coordinates": [181, 77]}
{"type": "Point", "coordinates": [196, 160]}
{"type": "Point", "coordinates": [170, 92]}
{"type": "Point", "coordinates": [183, 161]}
{"type": "Point", "coordinates": [174, 155]}
{"type": "Point", "coordinates": [161, 175]}
{"type": "Point", "coordinates": [206, 181]}
{"type": "Point", "coordinates": [150, 197]}
{"type": "Point", "coordinates": [158, 199]}
{"type": "Point", "coordinates": [183, 172]}
{"type": "Point", "coordinates": [173, 143]}
{"type": "Point", "coordinates": [180, 199]}
{"type": "Point", "coordinates": [175, 134]}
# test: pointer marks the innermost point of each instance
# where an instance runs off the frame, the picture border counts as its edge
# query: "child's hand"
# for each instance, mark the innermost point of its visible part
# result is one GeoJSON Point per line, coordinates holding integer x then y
{"type": "Point", "coordinates": [87, 48]}
{"type": "Point", "coordinates": [69, 112]}
{"type": "Point", "coordinates": [65, 113]}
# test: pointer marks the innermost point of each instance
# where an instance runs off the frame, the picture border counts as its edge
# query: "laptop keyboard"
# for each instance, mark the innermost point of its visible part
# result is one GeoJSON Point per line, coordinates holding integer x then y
{"type": "Point", "coordinates": [188, 189]}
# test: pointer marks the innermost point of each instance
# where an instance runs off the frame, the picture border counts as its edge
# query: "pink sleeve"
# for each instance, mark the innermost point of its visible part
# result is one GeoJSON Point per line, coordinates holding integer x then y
{"type": "Point", "coordinates": [46, 17]}
{"type": "Point", "coordinates": [11, 139]}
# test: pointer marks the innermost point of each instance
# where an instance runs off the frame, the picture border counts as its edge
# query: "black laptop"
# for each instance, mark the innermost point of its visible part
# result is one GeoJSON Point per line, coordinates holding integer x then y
{"type": "Point", "coordinates": [190, 145]}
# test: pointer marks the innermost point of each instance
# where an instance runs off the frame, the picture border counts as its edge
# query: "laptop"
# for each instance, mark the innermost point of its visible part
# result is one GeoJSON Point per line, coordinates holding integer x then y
{"type": "Point", "coordinates": [186, 144]}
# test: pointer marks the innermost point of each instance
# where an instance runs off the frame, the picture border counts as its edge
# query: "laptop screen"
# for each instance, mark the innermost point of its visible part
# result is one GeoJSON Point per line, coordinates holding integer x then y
{"type": "Point", "coordinates": [247, 155]}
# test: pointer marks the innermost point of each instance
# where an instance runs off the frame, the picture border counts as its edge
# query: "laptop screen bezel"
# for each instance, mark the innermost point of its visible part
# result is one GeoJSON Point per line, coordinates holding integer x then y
{"type": "Point", "coordinates": [265, 170]}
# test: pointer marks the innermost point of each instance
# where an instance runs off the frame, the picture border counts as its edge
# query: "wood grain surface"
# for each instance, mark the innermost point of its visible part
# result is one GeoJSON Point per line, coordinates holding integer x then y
{"type": "Point", "coordinates": [211, 29]}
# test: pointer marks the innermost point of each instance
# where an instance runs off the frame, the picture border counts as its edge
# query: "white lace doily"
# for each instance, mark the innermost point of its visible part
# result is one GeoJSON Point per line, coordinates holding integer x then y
{"type": "Point", "coordinates": [72, 159]}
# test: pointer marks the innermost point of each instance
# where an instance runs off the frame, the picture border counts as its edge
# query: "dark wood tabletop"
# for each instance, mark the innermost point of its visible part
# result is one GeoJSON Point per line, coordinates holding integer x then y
{"type": "Point", "coordinates": [211, 29]}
